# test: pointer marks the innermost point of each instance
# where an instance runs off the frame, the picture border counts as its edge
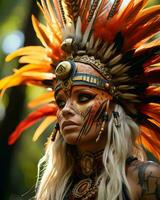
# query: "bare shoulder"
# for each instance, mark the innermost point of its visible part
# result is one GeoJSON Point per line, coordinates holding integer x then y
{"type": "Point", "coordinates": [146, 175]}
{"type": "Point", "coordinates": [149, 180]}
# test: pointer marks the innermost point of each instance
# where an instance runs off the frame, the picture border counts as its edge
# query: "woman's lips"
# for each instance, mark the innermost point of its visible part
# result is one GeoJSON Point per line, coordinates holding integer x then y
{"type": "Point", "coordinates": [68, 125]}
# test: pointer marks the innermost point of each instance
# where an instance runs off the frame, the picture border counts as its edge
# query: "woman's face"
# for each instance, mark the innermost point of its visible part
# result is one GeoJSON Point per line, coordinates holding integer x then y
{"type": "Point", "coordinates": [80, 112]}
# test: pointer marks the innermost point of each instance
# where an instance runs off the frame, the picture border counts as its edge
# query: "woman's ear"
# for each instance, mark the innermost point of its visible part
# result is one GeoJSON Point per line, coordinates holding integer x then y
{"type": "Point", "coordinates": [109, 96]}
{"type": "Point", "coordinates": [111, 108]}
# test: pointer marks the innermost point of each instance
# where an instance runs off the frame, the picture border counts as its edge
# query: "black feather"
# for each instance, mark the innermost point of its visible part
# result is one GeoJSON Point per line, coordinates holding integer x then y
{"type": "Point", "coordinates": [119, 40]}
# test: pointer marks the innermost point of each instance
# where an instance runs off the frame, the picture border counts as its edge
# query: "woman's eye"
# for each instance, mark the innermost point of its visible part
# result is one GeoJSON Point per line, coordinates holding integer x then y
{"type": "Point", "coordinates": [60, 103]}
{"type": "Point", "coordinates": [83, 98]}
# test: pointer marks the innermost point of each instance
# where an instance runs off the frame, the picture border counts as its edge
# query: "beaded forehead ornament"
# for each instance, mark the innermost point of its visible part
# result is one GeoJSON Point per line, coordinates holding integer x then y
{"type": "Point", "coordinates": [114, 39]}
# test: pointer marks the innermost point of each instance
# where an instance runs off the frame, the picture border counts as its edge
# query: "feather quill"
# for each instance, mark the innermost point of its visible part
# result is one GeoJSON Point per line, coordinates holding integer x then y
{"type": "Point", "coordinates": [115, 8]}
{"type": "Point", "coordinates": [73, 7]}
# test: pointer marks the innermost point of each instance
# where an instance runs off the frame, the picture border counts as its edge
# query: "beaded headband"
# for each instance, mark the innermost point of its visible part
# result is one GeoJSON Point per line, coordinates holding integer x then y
{"type": "Point", "coordinates": [68, 76]}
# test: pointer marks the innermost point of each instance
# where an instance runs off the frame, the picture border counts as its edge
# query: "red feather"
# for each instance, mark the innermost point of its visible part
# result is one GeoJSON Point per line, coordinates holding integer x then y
{"type": "Point", "coordinates": [152, 61]}
{"type": "Point", "coordinates": [152, 74]}
{"type": "Point", "coordinates": [32, 118]}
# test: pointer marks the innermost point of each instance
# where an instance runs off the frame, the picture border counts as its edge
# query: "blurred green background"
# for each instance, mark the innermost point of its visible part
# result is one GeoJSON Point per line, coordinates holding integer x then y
{"type": "Point", "coordinates": [18, 163]}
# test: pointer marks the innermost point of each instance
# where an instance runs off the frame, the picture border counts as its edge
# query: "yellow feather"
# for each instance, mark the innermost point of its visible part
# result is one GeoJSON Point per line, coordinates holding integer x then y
{"type": "Point", "coordinates": [23, 77]}
{"type": "Point", "coordinates": [36, 23]}
{"type": "Point", "coordinates": [43, 99]}
{"type": "Point", "coordinates": [46, 122]}
{"type": "Point", "coordinates": [53, 25]}
{"type": "Point", "coordinates": [39, 75]}
{"type": "Point", "coordinates": [34, 67]}
{"type": "Point", "coordinates": [4, 81]}
{"type": "Point", "coordinates": [30, 50]}
{"type": "Point", "coordinates": [155, 65]}
{"type": "Point", "coordinates": [35, 59]}
{"type": "Point", "coordinates": [146, 45]}
{"type": "Point", "coordinates": [10, 81]}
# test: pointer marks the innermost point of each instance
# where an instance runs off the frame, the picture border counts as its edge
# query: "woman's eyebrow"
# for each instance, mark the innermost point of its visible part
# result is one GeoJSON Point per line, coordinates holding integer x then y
{"type": "Point", "coordinates": [82, 90]}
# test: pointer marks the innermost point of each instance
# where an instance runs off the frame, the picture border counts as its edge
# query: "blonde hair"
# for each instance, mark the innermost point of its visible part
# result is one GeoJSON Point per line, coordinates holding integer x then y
{"type": "Point", "coordinates": [59, 162]}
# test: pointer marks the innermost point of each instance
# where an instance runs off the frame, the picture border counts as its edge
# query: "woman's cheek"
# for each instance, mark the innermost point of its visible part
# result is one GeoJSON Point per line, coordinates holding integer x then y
{"type": "Point", "coordinates": [83, 108]}
{"type": "Point", "coordinates": [58, 115]}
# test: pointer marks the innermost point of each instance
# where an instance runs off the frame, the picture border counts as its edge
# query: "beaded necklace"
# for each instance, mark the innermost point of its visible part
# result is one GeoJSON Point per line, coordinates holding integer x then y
{"type": "Point", "coordinates": [85, 184]}
{"type": "Point", "coordinates": [87, 169]}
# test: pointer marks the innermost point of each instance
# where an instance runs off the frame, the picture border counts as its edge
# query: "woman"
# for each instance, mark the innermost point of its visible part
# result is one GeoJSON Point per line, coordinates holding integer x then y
{"type": "Point", "coordinates": [105, 80]}
{"type": "Point", "coordinates": [95, 148]}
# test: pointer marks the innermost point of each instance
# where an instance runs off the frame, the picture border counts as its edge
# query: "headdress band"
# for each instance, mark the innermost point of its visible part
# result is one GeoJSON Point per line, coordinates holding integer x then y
{"type": "Point", "coordinates": [68, 76]}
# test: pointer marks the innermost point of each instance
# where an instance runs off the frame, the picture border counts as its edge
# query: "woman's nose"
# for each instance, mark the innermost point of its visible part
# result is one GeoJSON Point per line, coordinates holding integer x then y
{"type": "Point", "coordinates": [67, 109]}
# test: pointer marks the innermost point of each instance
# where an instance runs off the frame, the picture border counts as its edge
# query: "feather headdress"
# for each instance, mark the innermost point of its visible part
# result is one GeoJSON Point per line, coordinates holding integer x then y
{"type": "Point", "coordinates": [105, 32]}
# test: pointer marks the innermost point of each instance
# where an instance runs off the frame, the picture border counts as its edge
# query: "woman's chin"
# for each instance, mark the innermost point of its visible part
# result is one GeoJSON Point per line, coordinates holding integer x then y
{"type": "Point", "coordinates": [71, 138]}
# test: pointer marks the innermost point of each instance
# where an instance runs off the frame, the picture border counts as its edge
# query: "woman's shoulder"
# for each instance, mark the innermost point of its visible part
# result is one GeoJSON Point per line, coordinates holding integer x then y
{"type": "Point", "coordinates": [146, 176]}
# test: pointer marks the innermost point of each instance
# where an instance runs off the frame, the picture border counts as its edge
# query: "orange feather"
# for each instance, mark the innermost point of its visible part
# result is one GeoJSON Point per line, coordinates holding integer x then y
{"type": "Point", "coordinates": [149, 143]}
{"type": "Point", "coordinates": [131, 11]}
{"type": "Point", "coordinates": [153, 90]}
{"type": "Point", "coordinates": [152, 110]}
{"type": "Point", "coordinates": [139, 36]}
{"type": "Point", "coordinates": [51, 20]}
{"type": "Point", "coordinates": [42, 35]}
{"type": "Point", "coordinates": [144, 17]}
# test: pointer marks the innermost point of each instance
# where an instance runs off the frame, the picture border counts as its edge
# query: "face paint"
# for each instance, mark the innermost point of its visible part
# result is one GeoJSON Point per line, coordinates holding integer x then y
{"type": "Point", "coordinates": [80, 113]}
{"type": "Point", "coordinates": [92, 117]}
